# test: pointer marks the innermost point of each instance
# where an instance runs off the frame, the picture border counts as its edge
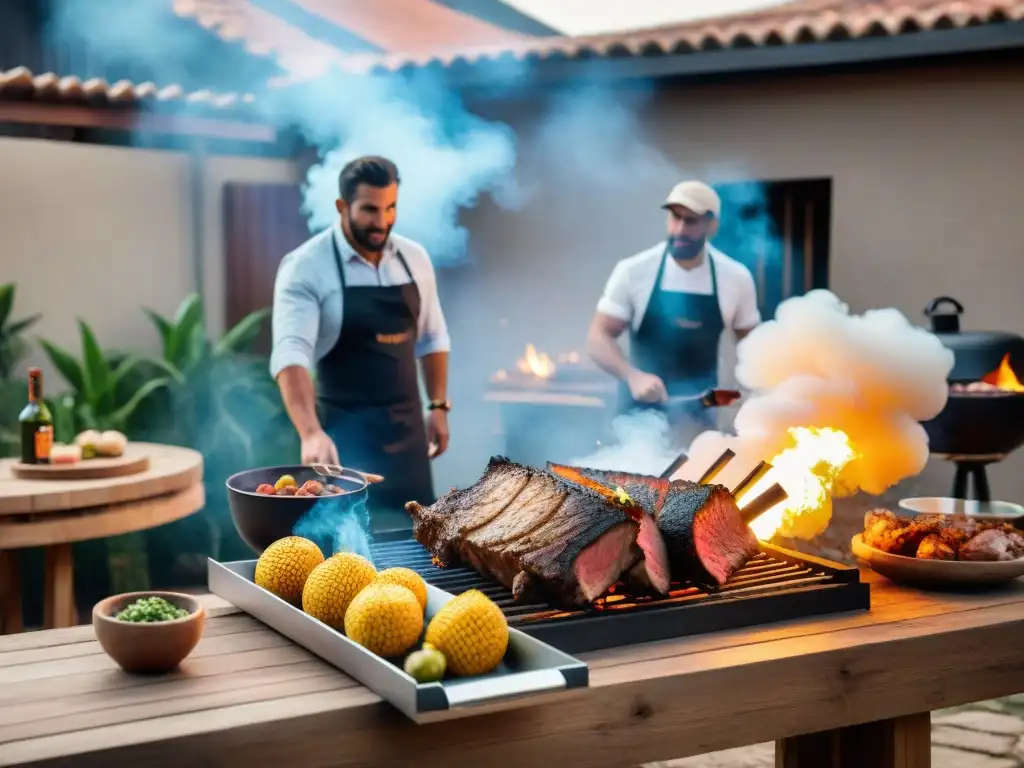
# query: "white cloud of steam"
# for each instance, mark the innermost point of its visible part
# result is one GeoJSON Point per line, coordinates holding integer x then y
{"type": "Point", "coordinates": [641, 445]}
{"type": "Point", "coordinates": [874, 376]}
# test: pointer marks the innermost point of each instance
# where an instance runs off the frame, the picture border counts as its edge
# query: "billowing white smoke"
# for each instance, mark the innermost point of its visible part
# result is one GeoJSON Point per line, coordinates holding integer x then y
{"type": "Point", "coordinates": [641, 445]}
{"type": "Point", "coordinates": [873, 376]}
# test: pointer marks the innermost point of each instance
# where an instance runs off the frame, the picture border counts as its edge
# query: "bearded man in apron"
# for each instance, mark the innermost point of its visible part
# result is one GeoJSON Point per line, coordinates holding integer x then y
{"type": "Point", "coordinates": [359, 305]}
{"type": "Point", "coordinates": [676, 298]}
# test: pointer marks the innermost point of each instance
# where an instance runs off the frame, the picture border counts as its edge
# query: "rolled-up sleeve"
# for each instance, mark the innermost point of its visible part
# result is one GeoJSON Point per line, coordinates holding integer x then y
{"type": "Point", "coordinates": [296, 316]}
{"type": "Point", "coordinates": [433, 329]}
{"type": "Point", "coordinates": [617, 301]}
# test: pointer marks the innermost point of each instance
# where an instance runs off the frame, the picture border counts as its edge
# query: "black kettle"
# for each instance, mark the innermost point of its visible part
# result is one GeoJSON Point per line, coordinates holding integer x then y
{"type": "Point", "coordinates": [975, 352]}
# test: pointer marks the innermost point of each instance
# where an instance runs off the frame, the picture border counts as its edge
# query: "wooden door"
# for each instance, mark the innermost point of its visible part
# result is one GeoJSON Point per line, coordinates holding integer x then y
{"type": "Point", "coordinates": [262, 222]}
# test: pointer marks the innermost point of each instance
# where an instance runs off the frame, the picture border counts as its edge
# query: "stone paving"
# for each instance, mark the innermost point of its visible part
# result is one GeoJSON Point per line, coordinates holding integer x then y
{"type": "Point", "coordinates": [985, 735]}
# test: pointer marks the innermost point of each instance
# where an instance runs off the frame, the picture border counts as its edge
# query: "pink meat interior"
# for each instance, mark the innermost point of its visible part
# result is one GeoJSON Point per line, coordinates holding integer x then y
{"type": "Point", "coordinates": [600, 565]}
{"type": "Point", "coordinates": [655, 554]}
{"type": "Point", "coordinates": [723, 541]}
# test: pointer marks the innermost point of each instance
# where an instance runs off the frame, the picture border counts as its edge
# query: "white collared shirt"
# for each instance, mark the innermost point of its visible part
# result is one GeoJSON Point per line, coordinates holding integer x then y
{"type": "Point", "coordinates": [307, 312]}
{"type": "Point", "coordinates": [628, 290]}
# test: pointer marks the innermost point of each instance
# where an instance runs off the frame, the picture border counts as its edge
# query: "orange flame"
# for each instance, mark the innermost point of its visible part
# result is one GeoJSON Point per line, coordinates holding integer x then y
{"type": "Point", "coordinates": [808, 469]}
{"type": "Point", "coordinates": [1004, 377]}
{"type": "Point", "coordinates": [538, 364]}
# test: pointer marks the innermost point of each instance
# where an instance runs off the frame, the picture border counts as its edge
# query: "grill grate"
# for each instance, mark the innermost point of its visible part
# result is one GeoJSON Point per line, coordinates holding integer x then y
{"type": "Point", "coordinates": [774, 586]}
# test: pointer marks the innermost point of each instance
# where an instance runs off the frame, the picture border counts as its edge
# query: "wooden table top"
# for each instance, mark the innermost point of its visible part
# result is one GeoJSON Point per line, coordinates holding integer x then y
{"type": "Point", "coordinates": [171, 469]}
{"type": "Point", "coordinates": [248, 696]}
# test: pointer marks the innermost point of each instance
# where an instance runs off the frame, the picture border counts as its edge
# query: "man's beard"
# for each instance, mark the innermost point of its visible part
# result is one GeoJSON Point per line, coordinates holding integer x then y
{"type": "Point", "coordinates": [362, 236]}
{"type": "Point", "coordinates": [685, 249]}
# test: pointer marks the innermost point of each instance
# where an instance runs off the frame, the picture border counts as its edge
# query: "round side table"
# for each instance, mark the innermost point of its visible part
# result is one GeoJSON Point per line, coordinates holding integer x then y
{"type": "Point", "coordinates": [54, 514]}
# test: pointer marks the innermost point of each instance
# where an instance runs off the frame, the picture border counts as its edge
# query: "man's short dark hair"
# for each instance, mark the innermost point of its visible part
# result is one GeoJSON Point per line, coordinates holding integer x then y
{"type": "Point", "coordinates": [371, 169]}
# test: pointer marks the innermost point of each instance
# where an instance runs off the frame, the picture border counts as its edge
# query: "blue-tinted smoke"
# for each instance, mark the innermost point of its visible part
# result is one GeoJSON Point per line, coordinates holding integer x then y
{"type": "Point", "coordinates": [337, 525]}
{"type": "Point", "coordinates": [447, 157]}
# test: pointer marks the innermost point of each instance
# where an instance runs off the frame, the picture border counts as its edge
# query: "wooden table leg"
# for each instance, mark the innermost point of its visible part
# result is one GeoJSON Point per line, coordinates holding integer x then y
{"type": "Point", "coordinates": [903, 742]}
{"type": "Point", "coordinates": [10, 593]}
{"type": "Point", "coordinates": [59, 589]}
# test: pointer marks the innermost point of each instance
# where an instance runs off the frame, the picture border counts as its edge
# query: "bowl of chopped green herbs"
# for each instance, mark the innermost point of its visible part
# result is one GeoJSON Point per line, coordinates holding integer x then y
{"type": "Point", "coordinates": [148, 631]}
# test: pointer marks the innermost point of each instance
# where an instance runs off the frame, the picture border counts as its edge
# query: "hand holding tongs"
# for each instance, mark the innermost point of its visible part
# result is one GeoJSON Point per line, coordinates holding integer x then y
{"type": "Point", "coordinates": [336, 470]}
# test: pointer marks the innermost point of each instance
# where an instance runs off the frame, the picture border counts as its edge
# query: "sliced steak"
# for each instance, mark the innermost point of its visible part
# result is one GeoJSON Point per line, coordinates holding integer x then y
{"type": "Point", "coordinates": [564, 540]}
{"type": "Point", "coordinates": [657, 572]}
{"type": "Point", "coordinates": [705, 535]}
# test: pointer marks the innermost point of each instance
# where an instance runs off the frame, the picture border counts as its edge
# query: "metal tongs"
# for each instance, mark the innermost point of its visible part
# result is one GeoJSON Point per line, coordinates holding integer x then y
{"type": "Point", "coordinates": [336, 470]}
{"type": "Point", "coordinates": [709, 398]}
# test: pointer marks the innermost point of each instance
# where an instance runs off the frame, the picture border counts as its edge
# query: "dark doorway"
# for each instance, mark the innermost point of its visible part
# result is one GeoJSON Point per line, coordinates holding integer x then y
{"type": "Point", "coordinates": [780, 231]}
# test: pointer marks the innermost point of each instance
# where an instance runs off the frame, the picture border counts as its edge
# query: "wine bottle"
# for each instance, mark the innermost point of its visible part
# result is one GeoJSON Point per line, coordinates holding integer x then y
{"type": "Point", "coordinates": [36, 423]}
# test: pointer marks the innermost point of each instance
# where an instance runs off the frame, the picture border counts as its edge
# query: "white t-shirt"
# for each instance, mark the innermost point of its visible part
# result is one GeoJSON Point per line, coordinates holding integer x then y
{"type": "Point", "coordinates": [629, 288]}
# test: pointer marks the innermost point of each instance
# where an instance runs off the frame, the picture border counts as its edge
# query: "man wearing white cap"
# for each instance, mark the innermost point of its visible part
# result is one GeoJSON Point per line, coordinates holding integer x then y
{"type": "Point", "coordinates": [676, 309]}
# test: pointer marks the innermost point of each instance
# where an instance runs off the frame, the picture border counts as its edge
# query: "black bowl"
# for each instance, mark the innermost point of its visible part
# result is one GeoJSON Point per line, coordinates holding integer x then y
{"type": "Point", "coordinates": [261, 519]}
{"type": "Point", "coordinates": [978, 423]}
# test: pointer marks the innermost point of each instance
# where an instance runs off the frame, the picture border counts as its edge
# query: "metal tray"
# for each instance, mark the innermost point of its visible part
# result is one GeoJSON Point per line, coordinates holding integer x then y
{"type": "Point", "coordinates": [531, 668]}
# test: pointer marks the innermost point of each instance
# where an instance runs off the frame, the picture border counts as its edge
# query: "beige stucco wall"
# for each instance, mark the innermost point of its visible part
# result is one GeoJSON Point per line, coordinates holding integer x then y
{"type": "Point", "coordinates": [928, 178]}
{"type": "Point", "coordinates": [99, 232]}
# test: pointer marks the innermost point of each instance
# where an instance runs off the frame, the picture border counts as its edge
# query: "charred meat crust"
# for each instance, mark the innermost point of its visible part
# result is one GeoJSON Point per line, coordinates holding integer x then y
{"type": "Point", "coordinates": [680, 525]}
{"type": "Point", "coordinates": [530, 539]}
{"type": "Point", "coordinates": [676, 520]}
{"type": "Point", "coordinates": [657, 487]}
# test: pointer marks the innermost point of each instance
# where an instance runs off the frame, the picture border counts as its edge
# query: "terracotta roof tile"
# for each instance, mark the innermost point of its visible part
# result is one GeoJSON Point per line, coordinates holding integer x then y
{"type": "Point", "coordinates": [789, 23]}
{"type": "Point", "coordinates": [411, 26]}
{"type": "Point", "coordinates": [21, 84]}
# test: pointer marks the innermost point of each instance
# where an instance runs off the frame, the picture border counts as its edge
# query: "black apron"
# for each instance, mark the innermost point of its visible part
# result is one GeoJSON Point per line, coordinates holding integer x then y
{"type": "Point", "coordinates": [369, 398]}
{"type": "Point", "coordinates": [677, 340]}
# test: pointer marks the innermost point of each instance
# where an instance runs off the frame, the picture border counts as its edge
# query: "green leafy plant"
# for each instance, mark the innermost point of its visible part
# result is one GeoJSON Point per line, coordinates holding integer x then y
{"type": "Point", "coordinates": [103, 393]}
{"type": "Point", "coordinates": [13, 346]}
{"type": "Point", "coordinates": [212, 378]}
{"type": "Point", "coordinates": [184, 339]}
{"type": "Point", "coordinates": [224, 404]}
{"type": "Point", "coordinates": [13, 396]}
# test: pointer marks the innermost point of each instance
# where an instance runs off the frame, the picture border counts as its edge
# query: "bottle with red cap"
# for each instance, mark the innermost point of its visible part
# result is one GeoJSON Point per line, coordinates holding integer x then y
{"type": "Point", "coordinates": [36, 423]}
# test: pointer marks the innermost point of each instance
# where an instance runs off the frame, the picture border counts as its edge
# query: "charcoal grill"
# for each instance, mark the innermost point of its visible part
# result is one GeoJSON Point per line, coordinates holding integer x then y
{"type": "Point", "coordinates": [776, 585]}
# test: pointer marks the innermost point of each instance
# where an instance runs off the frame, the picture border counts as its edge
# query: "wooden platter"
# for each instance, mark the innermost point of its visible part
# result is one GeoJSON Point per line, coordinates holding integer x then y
{"type": "Point", "coordinates": [919, 572]}
{"type": "Point", "coordinates": [134, 459]}
{"type": "Point", "coordinates": [171, 469]}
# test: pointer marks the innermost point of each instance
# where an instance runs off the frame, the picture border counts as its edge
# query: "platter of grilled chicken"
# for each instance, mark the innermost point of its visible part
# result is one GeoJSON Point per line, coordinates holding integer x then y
{"type": "Point", "coordinates": [940, 550]}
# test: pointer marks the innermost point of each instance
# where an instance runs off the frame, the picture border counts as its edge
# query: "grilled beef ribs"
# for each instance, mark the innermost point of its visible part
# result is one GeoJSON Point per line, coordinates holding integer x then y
{"type": "Point", "coordinates": [465, 510]}
{"type": "Point", "coordinates": [705, 535]}
{"type": "Point", "coordinates": [539, 534]}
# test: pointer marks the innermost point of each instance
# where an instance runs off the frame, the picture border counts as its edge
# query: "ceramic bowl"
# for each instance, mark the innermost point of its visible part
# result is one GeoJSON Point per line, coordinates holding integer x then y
{"type": "Point", "coordinates": [154, 647]}
{"type": "Point", "coordinates": [990, 511]}
{"type": "Point", "coordinates": [261, 520]}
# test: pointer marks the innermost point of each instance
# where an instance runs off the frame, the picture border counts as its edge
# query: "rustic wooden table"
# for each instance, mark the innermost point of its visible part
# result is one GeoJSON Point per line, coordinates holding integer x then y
{"type": "Point", "coordinates": [861, 684]}
{"type": "Point", "coordinates": [56, 513]}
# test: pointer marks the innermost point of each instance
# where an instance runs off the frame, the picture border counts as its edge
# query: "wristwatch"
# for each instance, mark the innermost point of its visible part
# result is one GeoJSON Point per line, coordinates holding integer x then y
{"type": "Point", "coordinates": [439, 405]}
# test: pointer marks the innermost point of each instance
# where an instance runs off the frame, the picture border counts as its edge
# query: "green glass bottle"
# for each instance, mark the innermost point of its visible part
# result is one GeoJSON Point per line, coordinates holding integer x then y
{"type": "Point", "coordinates": [36, 423]}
